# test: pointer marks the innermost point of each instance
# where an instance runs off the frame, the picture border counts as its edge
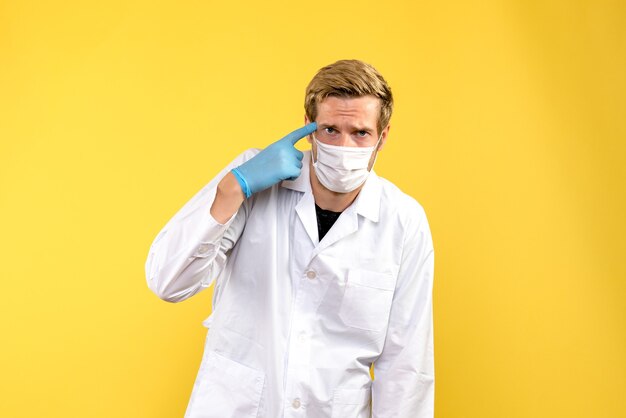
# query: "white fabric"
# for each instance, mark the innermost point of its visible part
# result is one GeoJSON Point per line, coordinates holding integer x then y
{"type": "Point", "coordinates": [296, 323]}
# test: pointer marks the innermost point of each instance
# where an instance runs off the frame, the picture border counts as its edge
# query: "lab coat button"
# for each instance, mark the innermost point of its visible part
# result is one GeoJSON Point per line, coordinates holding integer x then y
{"type": "Point", "coordinates": [203, 249]}
{"type": "Point", "coordinates": [311, 274]}
{"type": "Point", "coordinates": [302, 337]}
{"type": "Point", "coordinates": [296, 403]}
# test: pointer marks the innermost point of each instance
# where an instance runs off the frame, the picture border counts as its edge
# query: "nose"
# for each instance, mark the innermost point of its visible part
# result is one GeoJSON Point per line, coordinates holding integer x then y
{"type": "Point", "coordinates": [345, 140]}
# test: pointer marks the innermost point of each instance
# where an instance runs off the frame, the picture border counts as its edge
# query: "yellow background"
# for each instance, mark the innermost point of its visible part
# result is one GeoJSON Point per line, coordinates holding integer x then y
{"type": "Point", "coordinates": [509, 129]}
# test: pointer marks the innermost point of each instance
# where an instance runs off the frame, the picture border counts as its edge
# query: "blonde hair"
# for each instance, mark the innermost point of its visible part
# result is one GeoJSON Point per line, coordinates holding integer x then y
{"type": "Point", "coordinates": [349, 78]}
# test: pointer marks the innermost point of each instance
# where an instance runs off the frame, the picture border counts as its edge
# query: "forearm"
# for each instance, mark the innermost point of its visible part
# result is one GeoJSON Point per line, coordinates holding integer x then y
{"type": "Point", "coordinates": [228, 199]}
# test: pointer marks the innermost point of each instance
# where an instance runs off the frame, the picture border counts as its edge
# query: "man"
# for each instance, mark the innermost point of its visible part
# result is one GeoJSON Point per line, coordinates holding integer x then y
{"type": "Point", "coordinates": [322, 269]}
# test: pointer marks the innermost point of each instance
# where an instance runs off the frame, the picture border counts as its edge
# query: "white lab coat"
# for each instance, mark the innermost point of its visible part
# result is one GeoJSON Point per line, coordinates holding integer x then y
{"type": "Point", "coordinates": [297, 323]}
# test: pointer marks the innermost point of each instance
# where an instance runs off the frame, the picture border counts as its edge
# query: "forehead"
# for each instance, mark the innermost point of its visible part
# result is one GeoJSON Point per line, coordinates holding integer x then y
{"type": "Point", "coordinates": [362, 110]}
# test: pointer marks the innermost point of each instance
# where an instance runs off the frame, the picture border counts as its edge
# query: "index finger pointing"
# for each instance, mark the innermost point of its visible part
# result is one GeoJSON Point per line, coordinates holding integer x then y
{"type": "Point", "coordinates": [298, 134]}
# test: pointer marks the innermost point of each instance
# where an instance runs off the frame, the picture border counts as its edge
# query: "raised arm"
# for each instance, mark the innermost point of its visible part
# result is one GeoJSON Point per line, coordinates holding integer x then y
{"type": "Point", "coordinates": [191, 250]}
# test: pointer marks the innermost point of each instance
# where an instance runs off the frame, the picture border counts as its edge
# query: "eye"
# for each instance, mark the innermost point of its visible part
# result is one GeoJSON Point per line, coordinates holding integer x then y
{"type": "Point", "coordinates": [329, 130]}
{"type": "Point", "coordinates": [362, 134]}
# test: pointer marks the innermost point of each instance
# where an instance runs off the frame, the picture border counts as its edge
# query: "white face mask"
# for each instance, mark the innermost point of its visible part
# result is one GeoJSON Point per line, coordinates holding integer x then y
{"type": "Point", "coordinates": [342, 169]}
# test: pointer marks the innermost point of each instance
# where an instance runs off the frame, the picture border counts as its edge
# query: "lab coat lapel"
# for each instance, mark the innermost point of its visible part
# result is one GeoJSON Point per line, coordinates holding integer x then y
{"type": "Point", "coordinates": [366, 204]}
{"type": "Point", "coordinates": [305, 208]}
{"type": "Point", "coordinates": [346, 224]}
{"type": "Point", "coordinates": [306, 212]}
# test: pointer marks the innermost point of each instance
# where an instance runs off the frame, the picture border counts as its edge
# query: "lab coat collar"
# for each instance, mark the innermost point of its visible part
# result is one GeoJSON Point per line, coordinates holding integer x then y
{"type": "Point", "coordinates": [367, 202]}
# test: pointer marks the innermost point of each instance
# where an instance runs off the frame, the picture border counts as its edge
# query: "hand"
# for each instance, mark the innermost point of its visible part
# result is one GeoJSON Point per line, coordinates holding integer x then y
{"type": "Point", "coordinates": [279, 161]}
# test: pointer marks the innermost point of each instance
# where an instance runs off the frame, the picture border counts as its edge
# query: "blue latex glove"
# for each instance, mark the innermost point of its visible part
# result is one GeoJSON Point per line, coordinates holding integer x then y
{"type": "Point", "coordinates": [279, 161]}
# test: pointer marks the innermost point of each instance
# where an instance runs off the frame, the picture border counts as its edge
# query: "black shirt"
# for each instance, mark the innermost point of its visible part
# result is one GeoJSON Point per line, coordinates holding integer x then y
{"type": "Point", "coordinates": [325, 220]}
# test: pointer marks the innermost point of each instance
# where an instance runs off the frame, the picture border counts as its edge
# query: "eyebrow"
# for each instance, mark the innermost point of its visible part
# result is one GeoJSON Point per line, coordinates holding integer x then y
{"type": "Point", "coordinates": [355, 128]}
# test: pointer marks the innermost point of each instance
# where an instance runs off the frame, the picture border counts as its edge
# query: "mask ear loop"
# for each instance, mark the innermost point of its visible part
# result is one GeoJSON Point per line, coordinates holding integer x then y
{"type": "Point", "coordinates": [378, 142]}
{"type": "Point", "coordinates": [376, 151]}
{"type": "Point", "coordinates": [318, 150]}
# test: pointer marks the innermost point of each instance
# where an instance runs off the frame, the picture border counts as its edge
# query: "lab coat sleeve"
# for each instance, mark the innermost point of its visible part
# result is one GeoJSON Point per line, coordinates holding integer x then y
{"type": "Point", "coordinates": [192, 248]}
{"type": "Point", "coordinates": [404, 375]}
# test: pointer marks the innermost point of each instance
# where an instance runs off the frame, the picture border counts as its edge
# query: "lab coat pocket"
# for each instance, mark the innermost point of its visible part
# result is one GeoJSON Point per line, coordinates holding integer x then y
{"type": "Point", "coordinates": [367, 300]}
{"type": "Point", "coordinates": [351, 403]}
{"type": "Point", "coordinates": [225, 388]}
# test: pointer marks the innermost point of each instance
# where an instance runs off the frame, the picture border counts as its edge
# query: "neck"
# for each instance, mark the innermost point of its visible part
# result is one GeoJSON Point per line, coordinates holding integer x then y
{"type": "Point", "coordinates": [327, 199]}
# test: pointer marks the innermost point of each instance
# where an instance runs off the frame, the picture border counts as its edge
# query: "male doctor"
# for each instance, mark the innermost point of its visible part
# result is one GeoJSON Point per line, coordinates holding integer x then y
{"type": "Point", "coordinates": [322, 270]}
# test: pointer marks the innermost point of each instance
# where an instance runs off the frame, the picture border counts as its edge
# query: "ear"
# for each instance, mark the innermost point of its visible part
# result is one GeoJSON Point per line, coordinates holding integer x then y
{"type": "Point", "coordinates": [309, 138]}
{"type": "Point", "coordinates": [384, 137]}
